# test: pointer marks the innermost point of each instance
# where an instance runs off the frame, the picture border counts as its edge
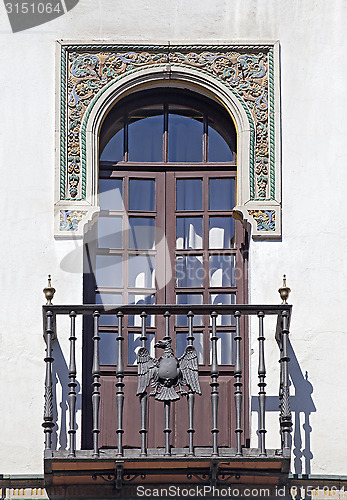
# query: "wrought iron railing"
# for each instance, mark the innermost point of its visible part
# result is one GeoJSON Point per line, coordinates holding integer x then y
{"type": "Point", "coordinates": [149, 369]}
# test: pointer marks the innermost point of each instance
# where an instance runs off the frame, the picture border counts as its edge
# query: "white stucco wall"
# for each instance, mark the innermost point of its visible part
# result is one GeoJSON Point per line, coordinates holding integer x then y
{"type": "Point", "coordinates": [313, 78]}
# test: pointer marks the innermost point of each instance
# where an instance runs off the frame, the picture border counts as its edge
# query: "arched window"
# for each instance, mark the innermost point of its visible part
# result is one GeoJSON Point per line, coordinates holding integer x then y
{"type": "Point", "coordinates": [165, 232]}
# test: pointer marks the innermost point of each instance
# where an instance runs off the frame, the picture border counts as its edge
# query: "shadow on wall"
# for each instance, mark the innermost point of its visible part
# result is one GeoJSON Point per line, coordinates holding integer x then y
{"type": "Point", "coordinates": [60, 378]}
{"type": "Point", "coordinates": [302, 406]}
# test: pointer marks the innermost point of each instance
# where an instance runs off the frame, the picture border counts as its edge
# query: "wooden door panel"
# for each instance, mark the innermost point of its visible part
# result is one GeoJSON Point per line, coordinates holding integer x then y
{"type": "Point", "coordinates": [179, 416]}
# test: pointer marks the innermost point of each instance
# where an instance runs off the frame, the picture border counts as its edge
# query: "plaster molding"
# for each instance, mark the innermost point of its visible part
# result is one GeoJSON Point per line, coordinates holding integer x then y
{"type": "Point", "coordinates": [244, 78]}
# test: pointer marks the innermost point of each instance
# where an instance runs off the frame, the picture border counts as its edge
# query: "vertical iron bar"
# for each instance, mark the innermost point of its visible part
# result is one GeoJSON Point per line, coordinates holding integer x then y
{"type": "Point", "coordinates": [238, 385]}
{"type": "Point", "coordinates": [72, 386]}
{"type": "Point", "coordinates": [261, 385]}
{"type": "Point", "coordinates": [96, 385]}
{"type": "Point", "coordinates": [143, 397]}
{"type": "Point", "coordinates": [48, 423]}
{"type": "Point", "coordinates": [167, 429]}
{"type": "Point", "coordinates": [120, 385]}
{"type": "Point", "coordinates": [214, 385]}
{"type": "Point", "coordinates": [286, 416]}
{"type": "Point", "coordinates": [167, 404]}
{"type": "Point", "coordinates": [280, 395]}
{"type": "Point", "coordinates": [191, 395]}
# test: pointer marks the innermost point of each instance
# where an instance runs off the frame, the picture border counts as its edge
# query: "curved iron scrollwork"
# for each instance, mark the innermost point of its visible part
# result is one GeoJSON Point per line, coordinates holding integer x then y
{"type": "Point", "coordinates": [117, 478]}
{"type": "Point", "coordinates": [214, 476]}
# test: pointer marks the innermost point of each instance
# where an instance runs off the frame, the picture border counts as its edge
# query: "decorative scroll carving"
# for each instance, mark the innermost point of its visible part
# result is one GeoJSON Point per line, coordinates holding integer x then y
{"type": "Point", "coordinates": [88, 70]}
{"type": "Point", "coordinates": [69, 219]}
{"type": "Point", "coordinates": [266, 219]}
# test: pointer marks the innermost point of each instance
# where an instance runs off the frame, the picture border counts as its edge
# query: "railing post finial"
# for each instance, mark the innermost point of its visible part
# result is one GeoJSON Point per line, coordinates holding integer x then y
{"type": "Point", "coordinates": [49, 291]}
{"type": "Point", "coordinates": [284, 291]}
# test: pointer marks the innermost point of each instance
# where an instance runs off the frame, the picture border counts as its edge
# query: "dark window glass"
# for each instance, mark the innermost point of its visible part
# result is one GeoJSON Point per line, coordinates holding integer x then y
{"type": "Point", "coordinates": [218, 148]}
{"type": "Point", "coordinates": [222, 195]}
{"type": "Point", "coordinates": [142, 195]}
{"type": "Point", "coordinates": [188, 299]}
{"type": "Point", "coordinates": [185, 138]}
{"type": "Point", "coordinates": [113, 150]}
{"type": "Point", "coordinates": [189, 194]}
{"type": "Point", "coordinates": [145, 136]}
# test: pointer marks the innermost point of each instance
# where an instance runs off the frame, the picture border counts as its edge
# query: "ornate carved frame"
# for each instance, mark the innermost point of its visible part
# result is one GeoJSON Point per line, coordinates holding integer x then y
{"type": "Point", "coordinates": [244, 78]}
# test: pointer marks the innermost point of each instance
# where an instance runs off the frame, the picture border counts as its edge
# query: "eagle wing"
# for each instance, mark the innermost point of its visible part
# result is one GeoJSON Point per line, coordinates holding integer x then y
{"type": "Point", "coordinates": [147, 368]}
{"type": "Point", "coordinates": [188, 364]}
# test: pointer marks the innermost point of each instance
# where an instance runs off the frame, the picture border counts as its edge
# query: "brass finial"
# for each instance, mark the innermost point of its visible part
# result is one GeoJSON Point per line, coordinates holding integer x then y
{"type": "Point", "coordinates": [49, 292]}
{"type": "Point", "coordinates": [284, 291]}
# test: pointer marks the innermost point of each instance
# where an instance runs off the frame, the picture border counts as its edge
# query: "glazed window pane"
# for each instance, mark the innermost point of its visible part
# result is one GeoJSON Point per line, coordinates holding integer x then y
{"type": "Point", "coordinates": [109, 270]}
{"type": "Point", "coordinates": [189, 194]}
{"type": "Point", "coordinates": [222, 194]}
{"type": "Point", "coordinates": [188, 232]}
{"type": "Point", "coordinates": [141, 271]}
{"type": "Point", "coordinates": [142, 233]}
{"type": "Point", "coordinates": [145, 137]}
{"type": "Point", "coordinates": [110, 194]}
{"type": "Point", "coordinates": [188, 299]}
{"type": "Point", "coordinates": [110, 232]}
{"type": "Point", "coordinates": [185, 138]}
{"type": "Point", "coordinates": [221, 232]}
{"type": "Point", "coordinates": [222, 270]}
{"type": "Point", "coordinates": [189, 271]}
{"type": "Point", "coordinates": [142, 195]}
{"type": "Point", "coordinates": [141, 299]}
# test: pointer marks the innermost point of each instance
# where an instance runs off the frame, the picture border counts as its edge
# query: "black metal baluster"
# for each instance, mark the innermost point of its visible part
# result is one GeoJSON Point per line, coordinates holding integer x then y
{"type": "Point", "coordinates": [120, 385]}
{"type": "Point", "coordinates": [167, 404]}
{"type": "Point", "coordinates": [191, 395]}
{"type": "Point", "coordinates": [143, 396]}
{"type": "Point", "coordinates": [96, 385]}
{"type": "Point", "coordinates": [238, 384]}
{"type": "Point", "coordinates": [48, 423]}
{"type": "Point", "coordinates": [214, 385]}
{"type": "Point", "coordinates": [286, 416]}
{"type": "Point", "coordinates": [72, 386]}
{"type": "Point", "coordinates": [261, 385]}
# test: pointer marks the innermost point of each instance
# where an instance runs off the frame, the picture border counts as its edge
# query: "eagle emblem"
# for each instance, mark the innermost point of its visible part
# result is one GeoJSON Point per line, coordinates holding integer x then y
{"type": "Point", "coordinates": [167, 372]}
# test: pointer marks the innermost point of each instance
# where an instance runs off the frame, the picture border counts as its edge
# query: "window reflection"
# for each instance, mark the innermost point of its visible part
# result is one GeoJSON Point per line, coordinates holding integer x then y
{"type": "Point", "coordinates": [221, 232]}
{"type": "Point", "coordinates": [141, 271]}
{"type": "Point", "coordinates": [188, 232]}
{"type": "Point", "coordinates": [225, 348]}
{"type": "Point", "coordinates": [222, 271]}
{"type": "Point", "coordinates": [138, 300]}
{"type": "Point", "coordinates": [223, 299]}
{"type": "Point", "coordinates": [189, 271]}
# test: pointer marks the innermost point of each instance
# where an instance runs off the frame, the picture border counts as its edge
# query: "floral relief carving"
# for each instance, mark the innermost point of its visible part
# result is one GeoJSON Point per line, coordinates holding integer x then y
{"type": "Point", "coordinates": [69, 219]}
{"type": "Point", "coordinates": [247, 70]}
{"type": "Point", "coordinates": [266, 219]}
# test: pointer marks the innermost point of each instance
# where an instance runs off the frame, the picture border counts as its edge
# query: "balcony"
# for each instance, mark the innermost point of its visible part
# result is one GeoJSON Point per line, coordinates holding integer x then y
{"type": "Point", "coordinates": [127, 459]}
